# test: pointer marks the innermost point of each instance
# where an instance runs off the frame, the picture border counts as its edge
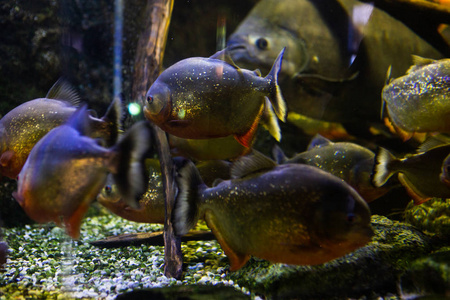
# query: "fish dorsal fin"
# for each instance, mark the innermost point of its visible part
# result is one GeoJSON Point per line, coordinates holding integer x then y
{"type": "Point", "coordinates": [319, 141]}
{"type": "Point", "coordinates": [278, 154]}
{"type": "Point", "coordinates": [63, 91]}
{"type": "Point", "coordinates": [418, 63]}
{"type": "Point", "coordinates": [257, 72]}
{"type": "Point", "coordinates": [433, 142]}
{"type": "Point", "coordinates": [79, 120]}
{"type": "Point", "coordinates": [252, 163]}
{"type": "Point", "coordinates": [224, 56]}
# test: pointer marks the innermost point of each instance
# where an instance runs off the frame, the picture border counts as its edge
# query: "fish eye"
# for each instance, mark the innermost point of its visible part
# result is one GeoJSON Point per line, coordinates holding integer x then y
{"type": "Point", "coordinates": [262, 43]}
{"type": "Point", "coordinates": [350, 218]}
{"type": "Point", "coordinates": [108, 189]}
{"type": "Point", "coordinates": [149, 99]}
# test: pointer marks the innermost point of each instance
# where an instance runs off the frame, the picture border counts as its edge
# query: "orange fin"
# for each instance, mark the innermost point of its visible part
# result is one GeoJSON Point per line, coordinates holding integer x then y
{"type": "Point", "coordinates": [237, 260]}
{"type": "Point", "coordinates": [403, 134]}
{"type": "Point", "coordinates": [247, 138]}
{"type": "Point", "coordinates": [417, 196]}
{"type": "Point", "coordinates": [73, 223]}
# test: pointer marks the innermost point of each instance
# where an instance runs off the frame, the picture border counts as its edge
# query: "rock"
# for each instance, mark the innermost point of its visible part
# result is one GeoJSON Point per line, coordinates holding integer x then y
{"type": "Point", "coordinates": [429, 275]}
{"type": "Point", "coordinates": [431, 216]}
{"type": "Point", "coordinates": [373, 270]}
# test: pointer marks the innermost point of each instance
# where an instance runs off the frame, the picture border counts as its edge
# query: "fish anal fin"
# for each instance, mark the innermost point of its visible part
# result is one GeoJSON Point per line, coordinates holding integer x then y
{"type": "Point", "coordinates": [417, 196]}
{"type": "Point", "coordinates": [269, 120]}
{"type": "Point", "coordinates": [403, 134]}
{"type": "Point", "coordinates": [247, 138]}
{"type": "Point", "coordinates": [237, 260]}
{"type": "Point", "coordinates": [73, 222]}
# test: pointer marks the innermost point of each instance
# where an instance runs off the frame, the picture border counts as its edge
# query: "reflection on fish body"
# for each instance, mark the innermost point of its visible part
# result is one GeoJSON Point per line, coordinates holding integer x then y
{"type": "Point", "coordinates": [336, 54]}
{"type": "Point", "coordinates": [293, 213]}
{"type": "Point", "coordinates": [25, 125]}
{"type": "Point", "coordinates": [67, 169]}
{"type": "Point", "coordinates": [200, 98]}
{"type": "Point", "coordinates": [151, 205]}
{"type": "Point", "coordinates": [348, 161]}
{"type": "Point", "coordinates": [419, 100]}
{"type": "Point", "coordinates": [420, 173]}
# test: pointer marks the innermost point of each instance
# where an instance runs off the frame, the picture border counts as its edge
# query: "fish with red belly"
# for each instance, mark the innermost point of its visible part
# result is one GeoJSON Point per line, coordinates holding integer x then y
{"type": "Point", "coordinates": [66, 170]}
{"type": "Point", "coordinates": [199, 98]}
{"type": "Point", "coordinates": [292, 213]}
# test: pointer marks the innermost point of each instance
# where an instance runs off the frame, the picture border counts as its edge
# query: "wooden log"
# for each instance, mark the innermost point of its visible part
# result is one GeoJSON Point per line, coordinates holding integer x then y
{"type": "Point", "coordinates": [147, 66]}
{"type": "Point", "coordinates": [149, 238]}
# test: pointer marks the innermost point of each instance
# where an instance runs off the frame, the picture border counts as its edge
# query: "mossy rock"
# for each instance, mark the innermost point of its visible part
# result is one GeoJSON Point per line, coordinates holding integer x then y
{"type": "Point", "coordinates": [431, 216]}
{"type": "Point", "coordinates": [429, 275]}
{"type": "Point", "coordinates": [373, 270]}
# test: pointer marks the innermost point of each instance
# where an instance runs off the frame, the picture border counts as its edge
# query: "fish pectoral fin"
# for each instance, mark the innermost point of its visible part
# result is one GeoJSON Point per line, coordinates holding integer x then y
{"type": "Point", "coordinates": [73, 222]}
{"type": "Point", "coordinates": [417, 196]}
{"type": "Point", "coordinates": [6, 158]}
{"type": "Point", "coordinates": [237, 260]}
{"type": "Point", "coordinates": [324, 84]}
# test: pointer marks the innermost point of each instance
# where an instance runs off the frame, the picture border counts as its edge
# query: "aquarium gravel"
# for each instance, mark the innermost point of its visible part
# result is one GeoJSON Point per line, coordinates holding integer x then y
{"type": "Point", "coordinates": [43, 263]}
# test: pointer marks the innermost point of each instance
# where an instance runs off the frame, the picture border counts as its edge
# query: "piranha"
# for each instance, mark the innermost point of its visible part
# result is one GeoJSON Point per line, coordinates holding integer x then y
{"type": "Point", "coordinates": [419, 100]}
{"type": "Point", "coordinates": [25, 125]}
{"type": "Point", "coordinates": [292, 213]}
{"type": "Point", "coordinates": [333, 55]}
{"type": "Point", "coordinates": [349, 161]}
{"type": "Point", "coordinates": [419, 173]}
{"type": "Point", "coordinates": [200, 98]}
{"type": "Point", "coordinates": [66, 170]}
{"type": "Point", "coordinates": [151, 205]}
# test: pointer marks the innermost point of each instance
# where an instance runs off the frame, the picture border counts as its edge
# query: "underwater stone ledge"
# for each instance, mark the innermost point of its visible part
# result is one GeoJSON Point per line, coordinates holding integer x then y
{"type": "Point", "coordinates": [373, 270]}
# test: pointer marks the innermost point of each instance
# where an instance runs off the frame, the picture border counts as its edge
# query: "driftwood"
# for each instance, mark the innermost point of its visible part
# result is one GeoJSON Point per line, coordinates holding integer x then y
{"type": "Point", "coordinates": [150, 48]}
{"type": "Point", "coordinates": [149, 238]}
{"type": "Point", "coordinates": [147, 66]}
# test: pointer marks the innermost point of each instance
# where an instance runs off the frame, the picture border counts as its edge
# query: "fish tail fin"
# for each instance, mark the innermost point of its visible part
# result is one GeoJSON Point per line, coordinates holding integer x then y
{"type": "Point", "coordinates": [381, 172]}
{"type": "Point", "coordinates": [113, 119]}
{"type": "Point", "coordinates": [186, 212]}
{"type": "Point", "coordinates": [131, 175]}
{"type": "Point", "coordinates": [269, 120]}
{"type": "Point", "coordinates": [276, 98]}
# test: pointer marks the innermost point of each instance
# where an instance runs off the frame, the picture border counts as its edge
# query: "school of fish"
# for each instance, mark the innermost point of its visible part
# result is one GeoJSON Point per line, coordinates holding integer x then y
{"type": "Point", "coordinates": [323, 62]}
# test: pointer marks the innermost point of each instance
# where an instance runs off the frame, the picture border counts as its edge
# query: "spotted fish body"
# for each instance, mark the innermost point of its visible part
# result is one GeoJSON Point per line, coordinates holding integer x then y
{"type": "Point", "coordinates": [199, 98]}
{"type": "Point", "coordinates": [294, 214]}
{"type": "Point", "coordinates": [419, 100]}
{"type": "Point", "coordinates": [25, 125]}
{"type": "Point", "coordinates": [66, 170]}
{"type": "Point", "coordinates": [348, 161]}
